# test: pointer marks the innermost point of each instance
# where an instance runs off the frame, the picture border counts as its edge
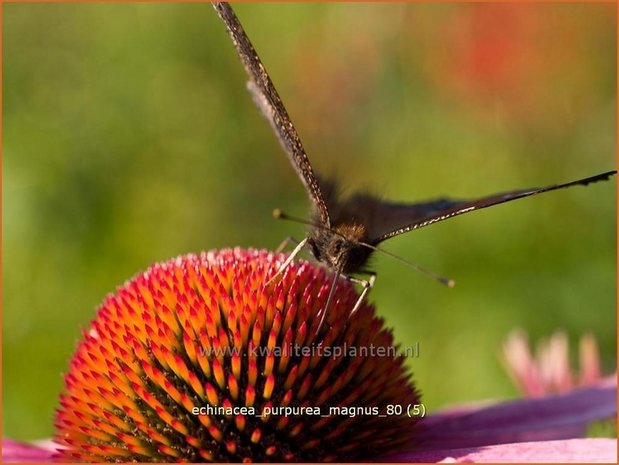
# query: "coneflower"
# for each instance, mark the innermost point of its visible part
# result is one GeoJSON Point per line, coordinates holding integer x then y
{"type": "Point", "coordinates": [198, 360]}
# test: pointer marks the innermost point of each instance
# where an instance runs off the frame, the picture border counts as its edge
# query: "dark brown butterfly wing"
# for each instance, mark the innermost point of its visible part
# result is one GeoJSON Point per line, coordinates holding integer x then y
{"type": "Point", "coordinates": [269, 102]}
{"type": "Point", "coordinates": [390, 219]}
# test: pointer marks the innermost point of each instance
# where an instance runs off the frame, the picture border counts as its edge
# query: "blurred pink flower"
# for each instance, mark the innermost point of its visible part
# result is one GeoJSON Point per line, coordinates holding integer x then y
{"type": "Point", "coordinates": [549, 370]}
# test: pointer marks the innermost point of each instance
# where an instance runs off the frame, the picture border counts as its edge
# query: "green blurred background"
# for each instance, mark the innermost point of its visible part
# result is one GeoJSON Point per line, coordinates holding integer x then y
{"type": "Point", "coordinates": [129, 138]}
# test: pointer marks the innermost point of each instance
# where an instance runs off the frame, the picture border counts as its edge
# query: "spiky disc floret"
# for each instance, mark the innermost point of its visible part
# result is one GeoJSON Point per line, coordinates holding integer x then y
{"type": "Point", "coordinates": [170, 359]}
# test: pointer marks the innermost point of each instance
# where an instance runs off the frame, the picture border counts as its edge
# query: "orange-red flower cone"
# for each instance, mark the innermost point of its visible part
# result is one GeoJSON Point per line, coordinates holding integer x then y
{"type": "Point", "coordinates": [191, 360]}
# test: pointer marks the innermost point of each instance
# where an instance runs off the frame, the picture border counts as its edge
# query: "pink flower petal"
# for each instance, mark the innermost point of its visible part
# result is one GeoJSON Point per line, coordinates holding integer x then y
{"type": "Point", "coordinates": [561, 416]}
{"type": "Point", "coordinates": [566, 451]}
{"type": "Point", "coordinates": [554, 362]}
{"type": "Point", "coordinates": [15, 451]}
{"type": "Point", "coordinates": [589, 360]}
{"type": "Point", "coordinates": [520, 364]}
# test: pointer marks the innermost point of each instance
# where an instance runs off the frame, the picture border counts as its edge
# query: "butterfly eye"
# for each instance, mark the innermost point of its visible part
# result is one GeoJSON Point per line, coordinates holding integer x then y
{"type": "Point", "coordinates": [338, 246]}
{"type": "Point", "coordinates": [335, 248]}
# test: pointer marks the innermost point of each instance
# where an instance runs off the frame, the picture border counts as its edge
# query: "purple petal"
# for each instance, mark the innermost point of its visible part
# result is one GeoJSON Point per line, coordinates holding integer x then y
{"type": "Point", "coordinates": [15, 451]}
{"type": "Point", "coordinates": [548, 418]}
{"type": "Point", "coordinates": [566, 451]}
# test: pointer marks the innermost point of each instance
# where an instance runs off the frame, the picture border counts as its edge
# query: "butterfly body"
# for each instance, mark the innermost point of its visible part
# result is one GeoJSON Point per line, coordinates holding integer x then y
{"type": "Point", "coordinates": [341, 247]}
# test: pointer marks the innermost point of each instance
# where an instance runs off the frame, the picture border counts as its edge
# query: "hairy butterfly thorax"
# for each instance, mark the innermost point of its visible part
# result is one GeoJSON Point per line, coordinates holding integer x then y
{"type": "Point", "coordinates": [342, 248]}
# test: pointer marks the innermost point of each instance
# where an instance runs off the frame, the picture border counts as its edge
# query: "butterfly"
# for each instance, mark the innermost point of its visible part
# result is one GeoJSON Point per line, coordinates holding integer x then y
{"type": "Point", "coordinates": [345, 232]}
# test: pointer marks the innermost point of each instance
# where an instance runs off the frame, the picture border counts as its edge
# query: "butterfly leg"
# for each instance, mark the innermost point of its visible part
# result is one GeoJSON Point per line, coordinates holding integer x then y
{"type": "Point", "coordinates": [285, 244]}
{"type": "Point", "coordinates": [289, 260]}
{"type": "Point", "coordinates": [367, 285]}
{"type": "Point", "coordinates": [336, 276]}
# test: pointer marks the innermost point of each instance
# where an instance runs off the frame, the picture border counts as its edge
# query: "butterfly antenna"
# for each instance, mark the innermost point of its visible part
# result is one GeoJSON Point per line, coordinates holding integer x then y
{"type": "Point", "coordinates": [278, 214]}
{"type": "Point", "coordinates": [441, 279]}
{"type": "Point", "coordinates": [336, 275]}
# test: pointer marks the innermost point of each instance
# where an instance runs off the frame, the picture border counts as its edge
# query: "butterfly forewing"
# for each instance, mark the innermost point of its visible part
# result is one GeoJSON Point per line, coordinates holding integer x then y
{"type": "Point", "coordinates": [272, 108]}
{"type": "Point", "coordinates": [400, 218]}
